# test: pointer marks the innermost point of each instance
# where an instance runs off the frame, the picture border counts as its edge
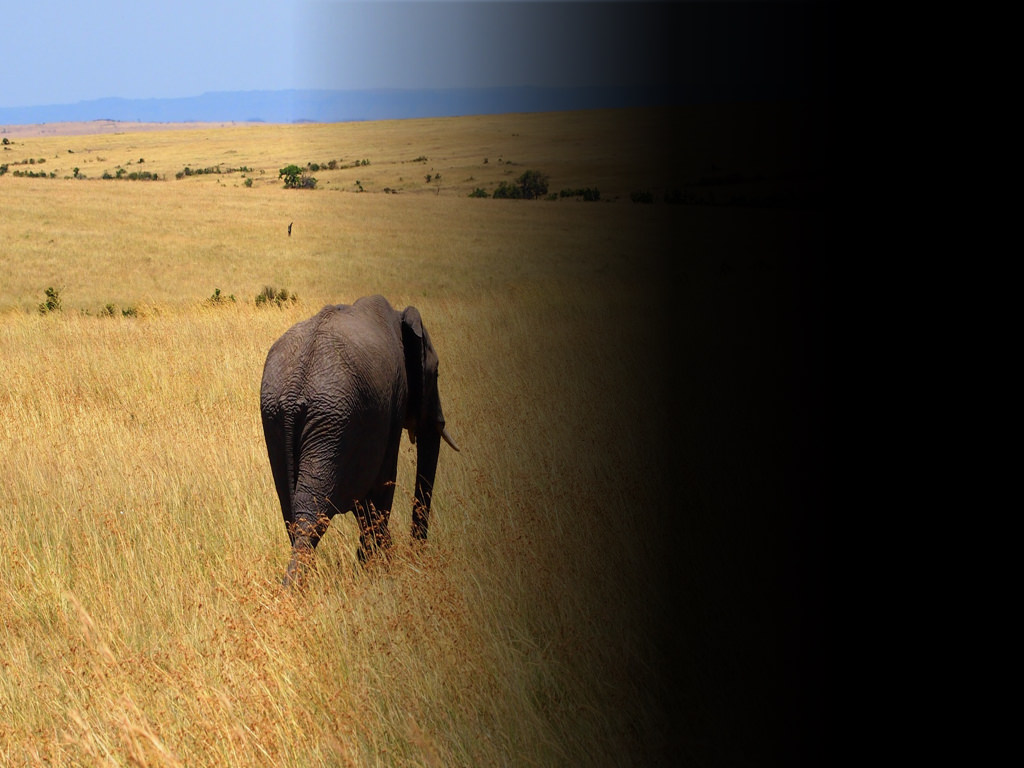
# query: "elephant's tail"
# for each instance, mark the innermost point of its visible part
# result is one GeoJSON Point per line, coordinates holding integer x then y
{"type": "Point", "coordinates": [294, 422]}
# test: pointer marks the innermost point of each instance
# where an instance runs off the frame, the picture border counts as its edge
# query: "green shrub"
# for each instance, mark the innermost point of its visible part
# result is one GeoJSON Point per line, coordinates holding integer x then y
{"type": "Point", "coordinates": [506, 191]}
{"type": "Point", "coordinates": [219, 299]}
{"type": "Point", "coordinates": [112, 310]}
{"type": "Point", "coordinates": [269, 295]}
{"type": "Point", "coordinates": [640, 196]}
{"type": "Point", "coordinates": [674, 196]}
{"type": "Point", "coordinates": [52, 303]}
{"type": "Point", "coordinates": [478, 192]}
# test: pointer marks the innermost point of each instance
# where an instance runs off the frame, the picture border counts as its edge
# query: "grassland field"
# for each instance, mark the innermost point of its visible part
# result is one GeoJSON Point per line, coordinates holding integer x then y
{"type": "Point", "coordinates": [607, 576]}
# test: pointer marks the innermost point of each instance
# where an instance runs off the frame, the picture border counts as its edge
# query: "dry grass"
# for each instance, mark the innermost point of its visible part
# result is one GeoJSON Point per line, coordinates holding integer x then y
{"type": "Point", "coordinates": [141, 542]}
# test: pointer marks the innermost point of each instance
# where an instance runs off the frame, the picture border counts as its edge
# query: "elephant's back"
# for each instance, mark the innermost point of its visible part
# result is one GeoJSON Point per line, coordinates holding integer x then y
{"type": "Point", "coordinates": [282, 370]}
{"type": "Point", "coordinates": [361, 342]}
{"type": "Point", "coordinates": [338, 360]}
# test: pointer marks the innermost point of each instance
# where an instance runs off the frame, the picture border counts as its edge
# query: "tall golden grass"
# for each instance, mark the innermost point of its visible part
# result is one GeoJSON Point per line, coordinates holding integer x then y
{"type": "Point", "coordinates": [141, 543]}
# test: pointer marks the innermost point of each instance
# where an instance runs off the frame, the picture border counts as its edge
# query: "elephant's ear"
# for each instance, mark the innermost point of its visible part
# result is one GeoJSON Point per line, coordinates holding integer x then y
{"type": "Point", "coordinates": [412, 341]}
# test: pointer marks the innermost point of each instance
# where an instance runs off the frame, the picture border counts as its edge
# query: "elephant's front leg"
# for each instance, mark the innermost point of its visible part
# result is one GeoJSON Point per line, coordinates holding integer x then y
{"type": "Point", "coordinates": [427, 449]}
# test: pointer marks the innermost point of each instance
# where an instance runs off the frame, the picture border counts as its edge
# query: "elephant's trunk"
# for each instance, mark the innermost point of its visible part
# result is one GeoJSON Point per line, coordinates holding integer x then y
{"type": "Point", "coordinates": [427, 448]}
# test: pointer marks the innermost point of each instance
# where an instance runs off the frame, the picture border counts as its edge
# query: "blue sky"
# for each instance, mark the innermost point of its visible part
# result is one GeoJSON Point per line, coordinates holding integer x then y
{"type": "Point", "coordinates": [57, 52]}
{"type": "Point", "coordinates": [60, 52]}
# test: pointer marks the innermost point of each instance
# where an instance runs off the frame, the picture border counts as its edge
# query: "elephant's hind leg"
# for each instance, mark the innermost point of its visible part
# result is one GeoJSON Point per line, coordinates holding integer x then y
{"type": "Point", "coordinates": [308, 524]}
{"type": "Point", "coordinates": [277, 450]}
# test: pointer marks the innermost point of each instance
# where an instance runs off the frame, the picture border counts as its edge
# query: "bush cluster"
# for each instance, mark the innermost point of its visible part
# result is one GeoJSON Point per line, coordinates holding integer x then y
{"type": "Point", "coordinates": [529, 186]}
{"type": "Point", "coordinates": [34, 174]}
{"type": "Point", "coordinates": [28, 174]}
{"type": "Point", "coordinates": [112, 310]}
{"type": "Point", "coordinates": [588, 194]}
{"type": "Point", "coordinates": [218, 299]}
{"type": "Point", "coordinates": [296, 178]}
{"type": "Point", "coordinates": [269, 295]}
{"type": "Point", "coordinates": [121, 173]}
{"type": "Point", "coordinates": [213, 169]}
{"type": "Point", "coordinates": [333, 165]}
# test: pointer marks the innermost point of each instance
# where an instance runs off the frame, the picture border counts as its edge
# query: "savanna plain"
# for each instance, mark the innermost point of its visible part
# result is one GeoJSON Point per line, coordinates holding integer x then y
{"type": "Point", "coordinates": [601, 583]}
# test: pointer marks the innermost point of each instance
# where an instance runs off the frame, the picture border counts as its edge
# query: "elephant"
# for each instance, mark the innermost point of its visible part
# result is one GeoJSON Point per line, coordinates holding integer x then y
{"type": "Point", "coordinates": [337, 391]}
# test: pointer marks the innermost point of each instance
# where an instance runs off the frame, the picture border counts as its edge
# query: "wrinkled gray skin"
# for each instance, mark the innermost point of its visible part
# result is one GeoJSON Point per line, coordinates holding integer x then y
{"type": "Point", "coordinates": [337, 391]}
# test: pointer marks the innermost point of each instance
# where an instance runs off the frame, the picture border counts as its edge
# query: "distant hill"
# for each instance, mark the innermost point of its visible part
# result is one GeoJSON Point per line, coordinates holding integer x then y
{"type": "Point", "coordinates": [330, 106]}
{"type": "Point", "coordinates": [343, 106]}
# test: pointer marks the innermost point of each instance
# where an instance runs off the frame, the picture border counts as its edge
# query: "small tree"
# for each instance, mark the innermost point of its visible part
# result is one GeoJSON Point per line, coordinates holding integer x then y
{"type": "Point", "coordinates": [296, 178]}
{"type": "Point", "coordinates": [533, 184]}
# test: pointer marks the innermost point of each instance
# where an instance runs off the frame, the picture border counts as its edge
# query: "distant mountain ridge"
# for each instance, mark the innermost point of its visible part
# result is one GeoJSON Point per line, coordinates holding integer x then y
{"type": "Point", "coordinates": [328, 106]}
{"type": "Point", "coordinates": [324, 106]}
